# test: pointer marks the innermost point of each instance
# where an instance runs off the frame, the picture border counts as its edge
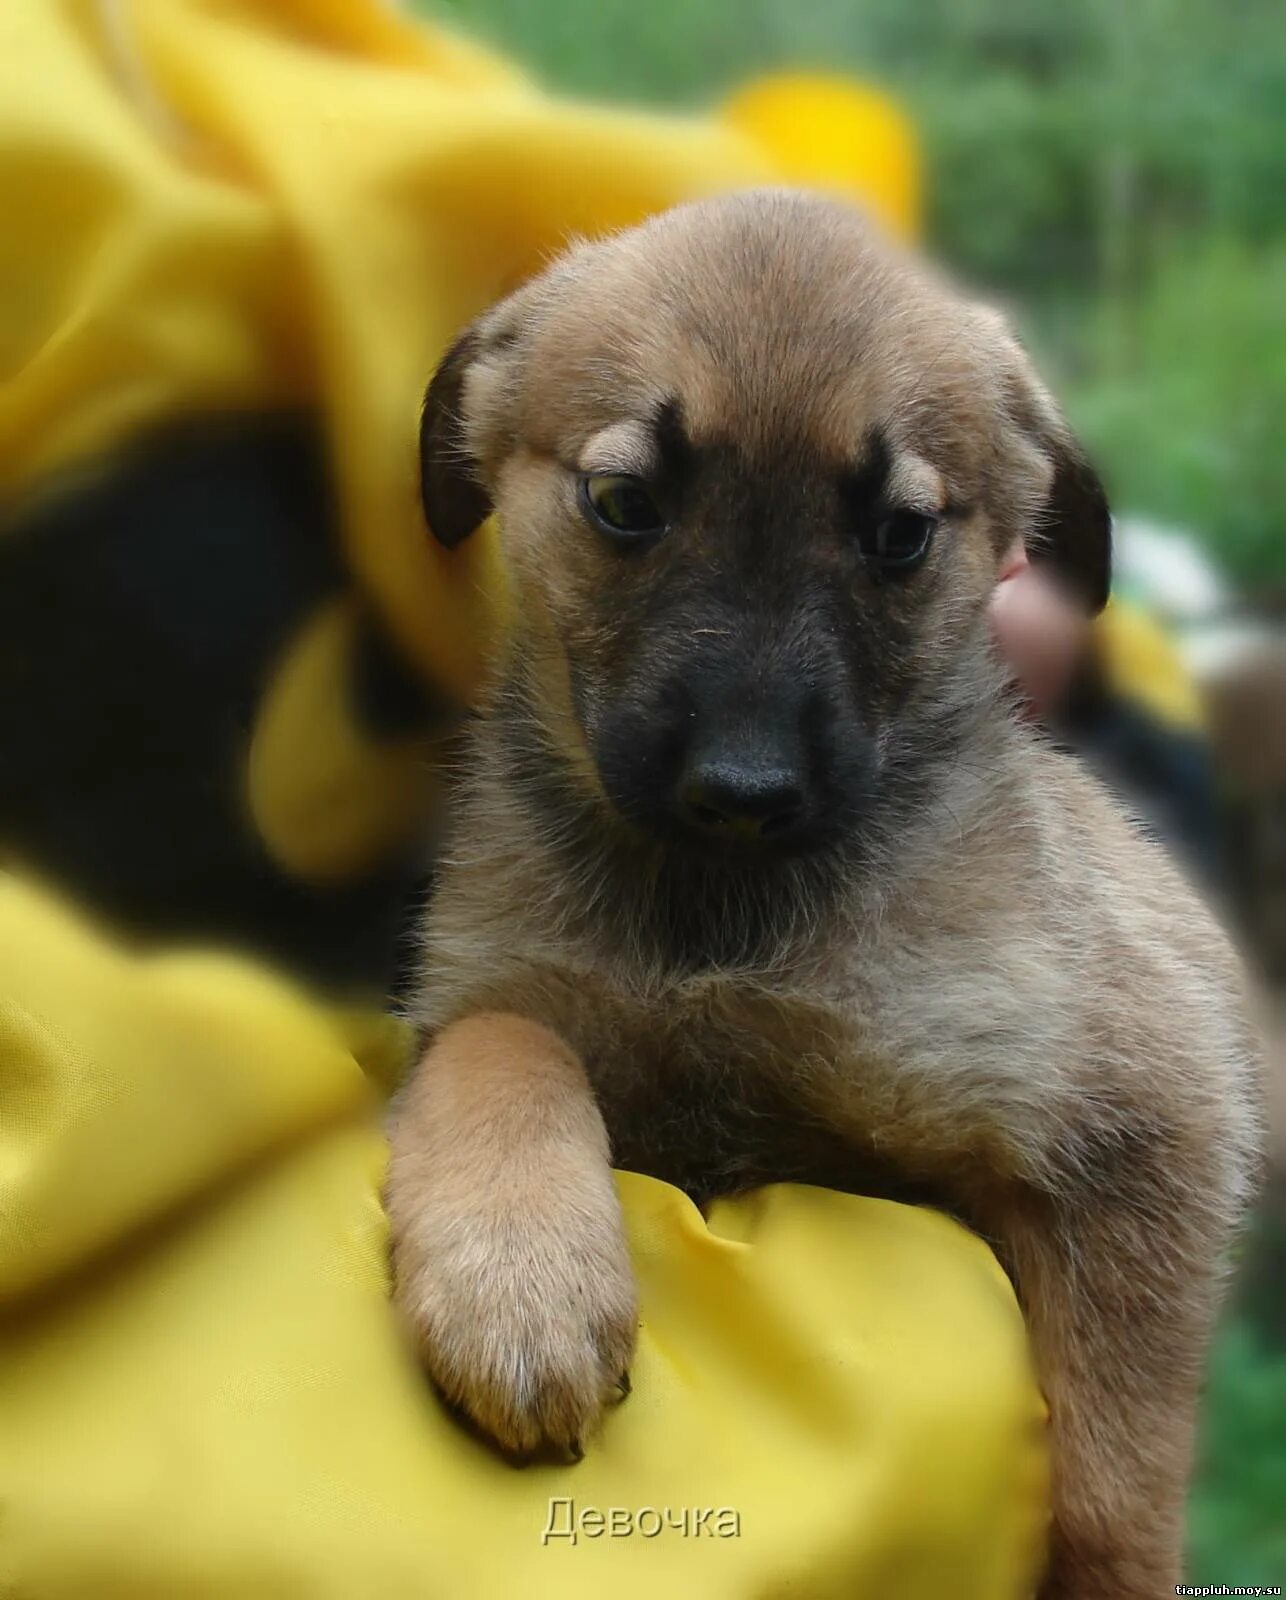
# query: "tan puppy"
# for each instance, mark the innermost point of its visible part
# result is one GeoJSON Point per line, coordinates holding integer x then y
{"type": "Point", "coordinates": [756, 874]}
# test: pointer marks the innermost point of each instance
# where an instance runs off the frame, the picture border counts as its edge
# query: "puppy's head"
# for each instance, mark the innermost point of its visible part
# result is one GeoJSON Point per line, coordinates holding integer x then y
{"type": "Point", "coordinates": [755, 474]}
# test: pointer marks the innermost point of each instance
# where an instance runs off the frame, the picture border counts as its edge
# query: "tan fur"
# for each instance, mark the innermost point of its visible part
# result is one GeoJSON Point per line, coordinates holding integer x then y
{"type": "Point", "coordinates": [485, 1271]}
{"type": "Point", "coordinates": [1015, 1005]}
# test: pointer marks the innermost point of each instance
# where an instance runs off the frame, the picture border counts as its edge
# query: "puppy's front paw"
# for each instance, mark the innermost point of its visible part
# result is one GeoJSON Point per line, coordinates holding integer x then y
{"type": "Point", "coordinates": [526, 1320]}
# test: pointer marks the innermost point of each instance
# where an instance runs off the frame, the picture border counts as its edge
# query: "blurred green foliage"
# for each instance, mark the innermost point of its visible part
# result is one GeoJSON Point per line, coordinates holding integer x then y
{"type": "Point", "coordinates": [1237, 1516]}
{"type": "Point", "coordinates": [1185, 404]}
{"type": "Point", "coordinates": [1114, 171]}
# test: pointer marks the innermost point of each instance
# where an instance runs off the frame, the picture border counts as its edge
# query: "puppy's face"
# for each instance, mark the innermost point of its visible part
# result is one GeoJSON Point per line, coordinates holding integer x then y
{"type": "Point", "coordinates": [755, 474]}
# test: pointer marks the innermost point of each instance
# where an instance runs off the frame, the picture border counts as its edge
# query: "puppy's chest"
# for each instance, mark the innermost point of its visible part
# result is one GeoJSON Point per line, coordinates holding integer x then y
{"type": "Point", "coordinates": [717, 1093]}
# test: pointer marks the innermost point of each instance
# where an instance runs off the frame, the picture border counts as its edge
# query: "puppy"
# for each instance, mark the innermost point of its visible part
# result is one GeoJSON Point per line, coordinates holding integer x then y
{"type": "Point", "coordinates": [757, 873]}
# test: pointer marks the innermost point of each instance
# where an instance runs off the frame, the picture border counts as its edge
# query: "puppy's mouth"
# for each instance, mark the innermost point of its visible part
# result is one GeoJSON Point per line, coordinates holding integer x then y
{"type": "Point", "coordinates": [707, 892]}
{"type": "Point", "coordinates": [710, 828]}
{"type": "Point", "coordinates": [757, 785]}
{"type": "Point", "coordinates": [691, 875]}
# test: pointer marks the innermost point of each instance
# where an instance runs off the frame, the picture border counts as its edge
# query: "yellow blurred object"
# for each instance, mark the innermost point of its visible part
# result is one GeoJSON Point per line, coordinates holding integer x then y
{"type": "Point", "coordinates": [328, 801]}
{"type": "Point", "coordinates": [203, 1391]}
{"type": "Point", "coordinates": [1140, 662]}
{"type": "Point", "coordinates": [832, 133]}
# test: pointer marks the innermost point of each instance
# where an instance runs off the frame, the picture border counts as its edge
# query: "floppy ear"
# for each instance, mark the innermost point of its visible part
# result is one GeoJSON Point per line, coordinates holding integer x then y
{"type": "Point", "coordinates": [471, 407]}
{"type": "Point", "coordinates": [1072, 532]}
{"type": "Point", "coordinates": [455, 500]}
{"type": "Point", "coordinates": [1074, 536]}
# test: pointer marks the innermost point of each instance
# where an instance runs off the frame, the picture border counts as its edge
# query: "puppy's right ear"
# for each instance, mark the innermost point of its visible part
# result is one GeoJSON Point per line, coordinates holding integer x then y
{"type": "Point", "coordinates": [454, 498]}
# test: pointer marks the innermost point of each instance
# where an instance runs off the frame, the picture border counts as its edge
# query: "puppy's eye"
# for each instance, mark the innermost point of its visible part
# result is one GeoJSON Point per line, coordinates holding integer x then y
{"type": "Point", "coordinates": [898, 541]}
{"type": "Point", "coordinates": [620, 506]}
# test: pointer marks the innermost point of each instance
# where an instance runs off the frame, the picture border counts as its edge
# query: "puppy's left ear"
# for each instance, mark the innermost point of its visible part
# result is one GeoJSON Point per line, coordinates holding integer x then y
{"type": "Point", "coordinates": [1074, 535]}
{"type": "Point", "coordinates": [455, 499]}
{"type": "Point", "coordinates": [1071, 530]}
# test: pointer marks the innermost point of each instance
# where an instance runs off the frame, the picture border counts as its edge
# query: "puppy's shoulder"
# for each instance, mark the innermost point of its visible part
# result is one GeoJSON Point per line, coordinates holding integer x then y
{"type": "Point", "coordinates": [1104, 860]}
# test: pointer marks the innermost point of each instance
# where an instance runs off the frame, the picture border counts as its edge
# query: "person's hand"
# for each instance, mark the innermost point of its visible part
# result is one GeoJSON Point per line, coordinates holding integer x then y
{"type": "Point", "coordinates": [1041, 631]}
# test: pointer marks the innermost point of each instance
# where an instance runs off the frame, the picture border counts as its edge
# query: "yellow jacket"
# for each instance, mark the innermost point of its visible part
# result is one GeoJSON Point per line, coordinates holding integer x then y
{"type": "Point", "coordinates": [203, 1392]}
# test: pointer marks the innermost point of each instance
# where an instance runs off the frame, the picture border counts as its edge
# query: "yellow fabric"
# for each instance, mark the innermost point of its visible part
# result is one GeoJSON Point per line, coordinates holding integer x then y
{"type": "Point", "coordinates": [1141, 662]}
{"type": "Point", "coordinates": [826, 132]}
{"type": "Point", "coordinates": [227, 203]}
{"type": "Point", "coordinates": [203, 1392]}
{"type": "Point", "coordinates": [327, 800]}
{"type": "Point", "coordinates": [239, 203]}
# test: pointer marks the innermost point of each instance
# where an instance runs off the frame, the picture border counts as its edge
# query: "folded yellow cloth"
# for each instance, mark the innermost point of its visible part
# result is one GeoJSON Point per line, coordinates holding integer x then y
{"type": "Point", "coordinates": [204, 1391]}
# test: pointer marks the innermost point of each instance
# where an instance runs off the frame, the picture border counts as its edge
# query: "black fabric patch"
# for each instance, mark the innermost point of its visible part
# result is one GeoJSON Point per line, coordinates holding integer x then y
{"type": "Point", "coordinates": [143, 608]}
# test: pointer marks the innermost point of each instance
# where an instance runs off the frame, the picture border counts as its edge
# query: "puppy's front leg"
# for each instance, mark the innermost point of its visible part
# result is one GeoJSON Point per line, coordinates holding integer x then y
{"type": "Point", "coordinates": [1119, 1294]}
{"type": "Point", "coordinates": [508, 1244]}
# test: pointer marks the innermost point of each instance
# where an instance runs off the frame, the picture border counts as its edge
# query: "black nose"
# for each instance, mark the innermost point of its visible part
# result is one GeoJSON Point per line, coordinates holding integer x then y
{"type": "Point", "coordinates": [751, 799]}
